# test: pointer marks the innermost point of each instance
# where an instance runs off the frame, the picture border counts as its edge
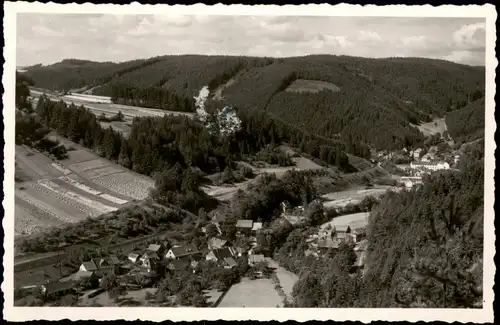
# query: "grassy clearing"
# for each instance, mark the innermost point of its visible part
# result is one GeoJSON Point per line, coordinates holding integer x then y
{"type": "Point", "coordinates": [435, 126]}
{"type": "Point", "coordinates": [353, 196]}
{"type": "Point", "coordinates": [355, 220]}
{"type": "Point", "coordinates": [311, 86]}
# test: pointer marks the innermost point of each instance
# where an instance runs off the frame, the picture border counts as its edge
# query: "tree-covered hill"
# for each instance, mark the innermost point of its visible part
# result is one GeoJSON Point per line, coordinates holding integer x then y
{"type": "Point", "coordinates": [467, 123]}
{"type": "Point", "coordinates": [373, 95]}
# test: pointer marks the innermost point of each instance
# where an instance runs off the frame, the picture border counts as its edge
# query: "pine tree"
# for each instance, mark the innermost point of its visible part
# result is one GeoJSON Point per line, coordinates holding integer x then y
{"type": "Point", "coordinates": [123, 157]}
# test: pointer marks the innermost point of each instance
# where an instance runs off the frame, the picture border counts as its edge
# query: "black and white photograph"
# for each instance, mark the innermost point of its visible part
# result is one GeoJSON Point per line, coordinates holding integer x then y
{"type": "Point", "coordinates": [249, 160]}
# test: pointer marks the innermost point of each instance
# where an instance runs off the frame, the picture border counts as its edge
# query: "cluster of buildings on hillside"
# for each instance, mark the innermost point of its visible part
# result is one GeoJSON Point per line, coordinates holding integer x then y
{"type": "Point", "coordinates": [331, 237]}
{"type": "Point", "coordinates": [177, 257]}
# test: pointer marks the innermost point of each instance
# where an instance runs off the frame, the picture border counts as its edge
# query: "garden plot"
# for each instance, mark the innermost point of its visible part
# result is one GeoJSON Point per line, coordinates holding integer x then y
{"type": "Point", "coordinates": [79, 185]}
{"type": "Point", "coordinates": [127, 184]}
{"type": "Point", "coordinates": [49, 205]}
{"type": "Point", "coordinates": [79, 155]}
{"type": "Point", "coordinates": [29, 212]}
{"type": "Point", "coordinates": [35, 164]}
{"type": "Point", "coordinates": [89, 164]}
{"type": "Point", "coordinates": [24, 222]}
{"type": "Point", "coordinates": [61, 168]}
{"type": "Point", "coordinates": [59, 202]}
{"type": "Point", "coordinates": [253, 294]}
{"type": "Point", "coordinates": [101, 172]}
{"type": "Point", "coordinates": [83, 190]}
{"type": "Point", "coordinates": [85, 204]}
{"type": "Point", "coordinates": [106, 193]}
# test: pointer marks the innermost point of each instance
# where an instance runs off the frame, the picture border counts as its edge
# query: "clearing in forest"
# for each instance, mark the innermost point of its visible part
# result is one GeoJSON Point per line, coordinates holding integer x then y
{"type": "Point", "coordinates": [311, 86]}
{"type": "Point", "coordinates": [435, 126]}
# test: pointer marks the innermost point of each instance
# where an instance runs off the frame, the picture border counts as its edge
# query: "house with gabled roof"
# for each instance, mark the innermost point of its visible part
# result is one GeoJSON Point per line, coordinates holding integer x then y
{"type": "Point", "coordinates": [57, 288]}
{"type": "Point", "coordinates": [89, 266]}
{"type": "Point", "coordinates": [216, 243]}
{"type": "Point", "coordinates": [157, 248]}
{"type": "Point", "coordinates": [149, 260]}
{"type": "Point", "coordinates": [218, 255]}
{"type": "Point", "coordinates": [177, 252]}
{"type": "Point", "coordinates": [133, 257]}
{"type": "Point", "coordinates": [244, 227]}
{"type": "Point", "coordinates": [256, 227]}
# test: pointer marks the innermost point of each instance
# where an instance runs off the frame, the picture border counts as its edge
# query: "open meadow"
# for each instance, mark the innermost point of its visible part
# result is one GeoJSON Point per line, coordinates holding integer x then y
{"type": "Point", "coordinates": [311, 86]}
{"type": "Point", "coordinates": [352, 196]}
{"type": "Point", "coordinates": [435, 126]}
{"type": "Point", "coordinates": [52, 193]}
{"type": "Point", "coordinates": [353, 220]}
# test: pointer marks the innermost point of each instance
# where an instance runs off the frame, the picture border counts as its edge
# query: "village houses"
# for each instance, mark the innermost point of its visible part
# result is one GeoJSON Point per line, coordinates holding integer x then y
{"type": "Point", "coordinates": [178, 252]}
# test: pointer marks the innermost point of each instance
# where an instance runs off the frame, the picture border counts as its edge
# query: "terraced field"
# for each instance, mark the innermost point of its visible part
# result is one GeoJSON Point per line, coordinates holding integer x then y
{"type": "Point", "coordinates": [53, 193]}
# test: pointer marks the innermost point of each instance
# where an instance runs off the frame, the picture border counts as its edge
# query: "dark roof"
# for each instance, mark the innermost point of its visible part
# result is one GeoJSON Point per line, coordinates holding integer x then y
{"type": "Point", "coordinates": [154, 248]}
{"type": "Point", "coordinates": [81, 275]}
{"type": "Point", "coordinates": [184, 250]}
{"type": "Point", "coordinates": [222, 253]}
{"type": "Point", "coordinates": [113, 260]}
{"type": "Point", "coordinates": [150, 254]}
{"type": "Point", "coordinates": [179, 264]}
{"type": "Point", "coordinates": [54, 287]}
{"type": "Point", "coordinates": [230, 262]}
{"type": "Point", "coordinates": [90, 265]}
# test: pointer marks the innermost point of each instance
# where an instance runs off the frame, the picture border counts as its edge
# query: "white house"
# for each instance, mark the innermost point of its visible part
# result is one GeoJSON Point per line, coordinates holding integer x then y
{"type": "Point", "coordinates": [429, 165]}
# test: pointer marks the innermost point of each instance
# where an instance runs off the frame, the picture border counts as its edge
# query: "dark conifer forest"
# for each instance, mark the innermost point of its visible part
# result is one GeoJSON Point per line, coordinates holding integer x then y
{"type": "Point", "coordinates": [365, 96]}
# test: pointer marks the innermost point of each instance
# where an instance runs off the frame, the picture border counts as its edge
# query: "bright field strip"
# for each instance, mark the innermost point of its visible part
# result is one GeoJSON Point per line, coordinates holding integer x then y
{"type": "Point", "coordinates": [96, 208]}
{"type": "Point", "coordinates": [99, 188]}
{"type": "Point", "coordinates": [126, 184]}
{"type": "Point", "coordinates": [107, 200]}
{"type": "Point", "coordinates": [311, 86]}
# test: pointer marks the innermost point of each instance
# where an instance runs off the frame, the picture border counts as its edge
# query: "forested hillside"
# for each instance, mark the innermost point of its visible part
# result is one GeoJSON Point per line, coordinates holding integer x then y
{"type": "Point", "coordinates": [467, 124]}
{"type": "Point", "coordinates": [425, 249]}
{"type": "Point", "coordinates": [365, 95]}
